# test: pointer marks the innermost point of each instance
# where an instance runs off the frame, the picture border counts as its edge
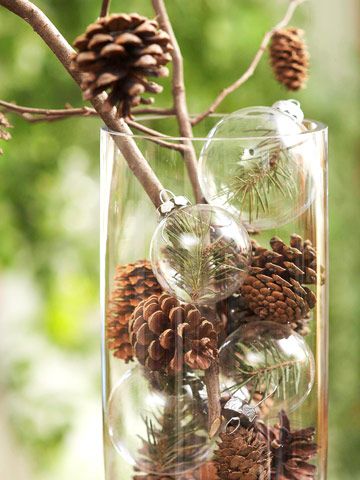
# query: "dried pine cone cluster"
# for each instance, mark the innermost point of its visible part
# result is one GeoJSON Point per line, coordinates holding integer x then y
{"type": "Point", "coordinates": [166, 334]}
{"type": "Point", "coordinates": [4, 125]}
{"type": "Point", "coordinates": [275, 287]}
{"type": "Point", "coordinates": [119, 53]}
{"type": "Point", "coordinates": [242, 455]}
{"type": "Point", "coordinates": [289, 58]}
{"type": "Point", "coordinates": [291, 450]}
{"type": "Point", "coordinates": [132, 283]}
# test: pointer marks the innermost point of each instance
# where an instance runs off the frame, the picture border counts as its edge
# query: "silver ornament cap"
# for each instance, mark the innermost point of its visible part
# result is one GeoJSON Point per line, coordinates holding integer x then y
{"type": "Point", "coordinates": [290, 107]}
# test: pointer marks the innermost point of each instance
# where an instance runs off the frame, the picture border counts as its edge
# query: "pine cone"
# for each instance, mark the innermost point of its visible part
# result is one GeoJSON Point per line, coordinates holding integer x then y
{"type": "Point", "coordinates": [291, 450]}
{"type": "Point", "coordinates": [118, 53]}
{"type": "Point", "coordinates": [237, 313]}
{"type": "Point", "coordinates": [274, 288]}
{"type": "Point", "coordinates": [132, 283]}
{"type": "Point", "coordinates": [242, 455]}
{"type": "Point", "coordinates": [4, 124]}
{"type": "Point", "coordinates": [166, 334]}
{"type": "Point", "coordinates": [289, 58]}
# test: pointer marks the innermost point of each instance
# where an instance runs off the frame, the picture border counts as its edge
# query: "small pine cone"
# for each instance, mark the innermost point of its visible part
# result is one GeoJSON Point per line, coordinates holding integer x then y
{"type": "Point", "coordinates": [4, 125]}
{"type": "Point", "coordinates": [291, 450]}
{"type": "Point", "coordinates": [242, 455]}
{"type": "Point", "coordinates": [289, 58]}
{"type": "Point", "coordinates": [166, 334]}
{"type": "Point", "coordinates": [133, 283]}
{"type": "Point", "coordinates": [275, 286]}
{"type": "Point", "coordinates": [118, 54]}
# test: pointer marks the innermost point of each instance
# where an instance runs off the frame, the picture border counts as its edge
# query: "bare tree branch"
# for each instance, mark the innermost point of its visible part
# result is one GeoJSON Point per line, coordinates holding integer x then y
{"type": "Point", "coordinates": [36, 115]}
{"type": "Point", "coordinates": [253, 65]}
{"type": "Point", "coordinates": [63, 51]}
{"type": "Point", "coordinates": [105, 7]}
{"type": "Point", "coordinates": [179, 95]}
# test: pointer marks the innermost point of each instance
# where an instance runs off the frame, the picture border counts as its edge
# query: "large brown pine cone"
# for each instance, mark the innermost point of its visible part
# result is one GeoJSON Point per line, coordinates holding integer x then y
{"type": "Point", "coordinates": [4, 125]}
{"type": "Point", "coordinates": [166, 334]}
{"type": "Point", "coordinates": [133, 283]}
{"type": "Point", "coordinates": [291, 450]}
{"type": "Point", "coordinates": [289, 58]}
{"type": "Point", "coordinates": [275, 286]}
{"type": "Point", "coordinates": [242, 455]}
{"type": "Point", "coordinates": [118, 53]}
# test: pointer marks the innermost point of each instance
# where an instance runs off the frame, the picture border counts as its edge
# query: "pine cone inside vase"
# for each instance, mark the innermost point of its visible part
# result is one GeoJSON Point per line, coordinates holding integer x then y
{"type": "Point", "coordinates": [242, 455]}
{"type": "Point", "coordinates": [291, 450]}
{"type": "Point", "coordinates": [118, 54]}
{"type": "Point", "coordinates": [133, 283]}
{"type": "Point", "coordinates": [4, 125]}
{"type": "Point", "coordinates": [166, 334]}
{"type": "Point", "coordinates": [289, 58]}
{"type": "Point", "coordinates": [275, 286]}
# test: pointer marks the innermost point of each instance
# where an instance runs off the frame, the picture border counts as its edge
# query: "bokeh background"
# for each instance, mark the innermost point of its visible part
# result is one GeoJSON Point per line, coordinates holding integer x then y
{"type": "Point", "coordinates": [50, 412]}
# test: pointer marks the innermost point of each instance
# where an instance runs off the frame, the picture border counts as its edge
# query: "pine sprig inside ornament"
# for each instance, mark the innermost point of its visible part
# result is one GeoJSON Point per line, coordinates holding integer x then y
{"type": "Point", "coordinates": [265, 361]}
{"type": "Point", "coordinates": [176, 440]}
{"type": "Point", "coordinates": [200, 253]}
{"type": "Point", "coordinates": [255, 163]}
{"type": "Point", "coordinates": [255, 178]}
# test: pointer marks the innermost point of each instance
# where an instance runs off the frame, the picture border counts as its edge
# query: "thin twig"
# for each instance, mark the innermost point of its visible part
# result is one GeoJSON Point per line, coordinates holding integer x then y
{"type": "Point", "coordinates": [105, 7]}
{"type": "Point", "coordinates": [253, 65]}
{"type": "Point", "coordinates": [82, 111]}
{"type": "Point", "coordinates": [144, 129]}
{"type": "Point", "coordinates": [155, 136]}
{"type": "Point", "coordinates": [64, 52]}
{"type": "Point", "coordinates": [179, 94]}
{"type": "Point", "coordinates": [153, 110]}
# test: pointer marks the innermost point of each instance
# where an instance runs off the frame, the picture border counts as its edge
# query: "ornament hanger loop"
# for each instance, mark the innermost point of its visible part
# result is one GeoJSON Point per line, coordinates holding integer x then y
{"type": "Point", "coordinates": [170, 201]}
{"type": "Point", "coordinates": [233, 419]}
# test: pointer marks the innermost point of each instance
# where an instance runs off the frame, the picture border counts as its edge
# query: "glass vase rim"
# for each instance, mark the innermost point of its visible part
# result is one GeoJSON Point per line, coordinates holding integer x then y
{"type": "Point", "coordinates": [318, 127]}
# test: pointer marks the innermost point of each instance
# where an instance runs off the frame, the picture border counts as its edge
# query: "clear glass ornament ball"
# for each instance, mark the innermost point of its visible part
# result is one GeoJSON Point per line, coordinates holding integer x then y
{"type": "Point", "coordinates": [200, 254]}
{"type": "Point", "coordinates": [257, 163]}
{"type": "Point", "coordinates": [142, 419]}
{"type": "Point", "coordinates": [268, 367]}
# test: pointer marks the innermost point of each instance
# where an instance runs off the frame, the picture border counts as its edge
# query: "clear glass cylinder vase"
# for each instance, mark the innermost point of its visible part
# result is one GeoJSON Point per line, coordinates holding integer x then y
{"type": "Point", "coordinates": [223, 373]}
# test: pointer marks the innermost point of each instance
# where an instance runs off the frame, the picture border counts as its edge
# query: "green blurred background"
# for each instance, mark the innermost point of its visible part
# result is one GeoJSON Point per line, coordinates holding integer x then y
{"type": "Point", "coordinates": [50, 414]}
